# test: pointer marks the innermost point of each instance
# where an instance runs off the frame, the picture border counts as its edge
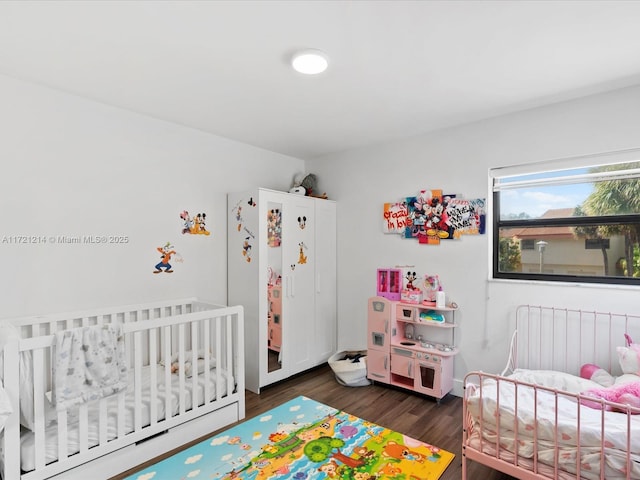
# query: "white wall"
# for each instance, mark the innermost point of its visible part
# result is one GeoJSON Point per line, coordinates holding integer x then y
{"type": "Point", "coordinates": [75, 167]}
{"type": "Point", "coordinates": [457, 160]}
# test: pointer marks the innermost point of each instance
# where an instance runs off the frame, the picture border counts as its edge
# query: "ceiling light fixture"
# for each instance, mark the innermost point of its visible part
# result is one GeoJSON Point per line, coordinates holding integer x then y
{"type": "Point", "coordinates": [310, 62]}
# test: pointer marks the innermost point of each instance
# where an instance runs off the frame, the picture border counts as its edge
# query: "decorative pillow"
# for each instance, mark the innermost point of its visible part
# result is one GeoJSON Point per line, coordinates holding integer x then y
{"type": "Point", "coordinates": [629, 357]}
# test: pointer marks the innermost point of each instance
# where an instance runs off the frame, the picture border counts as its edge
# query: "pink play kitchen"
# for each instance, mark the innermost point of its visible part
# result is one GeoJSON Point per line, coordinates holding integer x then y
{"type": "Point", "coordinates": [411, 338]}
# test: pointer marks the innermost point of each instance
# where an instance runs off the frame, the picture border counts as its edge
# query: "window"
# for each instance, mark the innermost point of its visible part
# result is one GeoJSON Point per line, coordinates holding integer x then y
{"type": "Point", "coordinates": [527, 244]}
{"type": "Point", "coordinates": [578, 224]}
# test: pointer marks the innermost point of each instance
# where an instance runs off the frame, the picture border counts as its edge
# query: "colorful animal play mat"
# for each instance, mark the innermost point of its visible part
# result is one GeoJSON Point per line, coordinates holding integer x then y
{"type": "Point", "coordinates": [304, 439]}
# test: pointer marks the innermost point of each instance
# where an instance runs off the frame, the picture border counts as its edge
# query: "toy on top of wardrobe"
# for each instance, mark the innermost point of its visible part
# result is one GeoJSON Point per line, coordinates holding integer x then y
{"type": "Point", "coordinates": [306, 185]}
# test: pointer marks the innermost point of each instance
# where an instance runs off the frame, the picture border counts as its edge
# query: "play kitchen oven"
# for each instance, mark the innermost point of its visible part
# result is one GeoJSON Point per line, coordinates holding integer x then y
{"type": "Point", "coordinates": [422, 370]}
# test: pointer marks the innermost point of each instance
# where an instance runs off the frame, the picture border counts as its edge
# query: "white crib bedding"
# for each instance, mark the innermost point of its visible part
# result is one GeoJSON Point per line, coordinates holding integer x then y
{"type": "Point", "coordinates": [590, 441]}
{"type": "Point", "coordinates": [51, 448]}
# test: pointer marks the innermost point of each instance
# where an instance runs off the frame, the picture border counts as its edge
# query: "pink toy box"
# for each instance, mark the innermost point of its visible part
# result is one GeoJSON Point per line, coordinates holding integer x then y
{"type": "Point", "coordinates": [411, 296]}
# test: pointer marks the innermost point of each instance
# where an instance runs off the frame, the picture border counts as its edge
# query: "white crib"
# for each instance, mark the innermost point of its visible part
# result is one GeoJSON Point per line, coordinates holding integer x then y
{"type": "Point", "coordinates": [160, 409]}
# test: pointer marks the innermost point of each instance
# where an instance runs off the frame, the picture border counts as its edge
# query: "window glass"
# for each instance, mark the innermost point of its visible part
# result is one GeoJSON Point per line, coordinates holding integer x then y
{"type": "Point", "coordinates": [578, 224]}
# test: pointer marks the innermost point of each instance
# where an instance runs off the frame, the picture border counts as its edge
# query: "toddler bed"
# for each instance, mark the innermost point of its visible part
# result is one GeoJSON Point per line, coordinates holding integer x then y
{"type": "Point", "coordinates": [540, 419]}
{"type": "Point", "coordinates": [164, 374]}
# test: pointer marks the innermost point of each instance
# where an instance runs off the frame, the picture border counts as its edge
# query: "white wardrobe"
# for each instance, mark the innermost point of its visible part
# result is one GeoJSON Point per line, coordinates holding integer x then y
{"type": "Point", "coordinates": [282, 268]}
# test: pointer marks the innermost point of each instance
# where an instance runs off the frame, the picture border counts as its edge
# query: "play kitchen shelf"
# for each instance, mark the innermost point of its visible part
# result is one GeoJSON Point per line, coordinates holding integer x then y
{"type": "Point", "coordinates": [411, 346]}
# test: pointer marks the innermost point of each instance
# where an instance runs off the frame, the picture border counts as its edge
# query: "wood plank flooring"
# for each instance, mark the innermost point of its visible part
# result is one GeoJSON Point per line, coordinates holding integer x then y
{"type": "Point", "coordinates": [412, 414]}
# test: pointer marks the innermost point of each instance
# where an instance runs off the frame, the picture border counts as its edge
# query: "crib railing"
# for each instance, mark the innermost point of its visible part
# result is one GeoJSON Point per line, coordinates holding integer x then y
{"type": "Point", "coordinates": [152, 337]}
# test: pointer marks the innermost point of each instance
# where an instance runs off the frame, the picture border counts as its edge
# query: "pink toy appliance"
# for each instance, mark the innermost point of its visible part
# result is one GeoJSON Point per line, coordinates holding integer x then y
{"type": "Point", "coordinates": [389, 283]}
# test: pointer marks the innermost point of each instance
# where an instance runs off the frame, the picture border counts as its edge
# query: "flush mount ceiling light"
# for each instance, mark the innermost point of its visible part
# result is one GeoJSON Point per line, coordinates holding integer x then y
{"type": "Point", "coordinates": [310, 62]}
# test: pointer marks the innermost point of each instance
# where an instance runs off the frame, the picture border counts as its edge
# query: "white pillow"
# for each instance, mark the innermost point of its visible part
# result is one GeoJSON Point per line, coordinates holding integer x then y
{"type": "Point", "coordinates": [554, 379]}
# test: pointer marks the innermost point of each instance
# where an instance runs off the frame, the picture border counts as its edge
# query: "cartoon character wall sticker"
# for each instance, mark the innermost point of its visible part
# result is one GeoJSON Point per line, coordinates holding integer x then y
{"type": "Point", "coordinates": [248, 237]}
{"type": "Point", "coordinates": [302, 258]}
{"type": "Point", "coordinates": [238, 210]}
{"type": "Point", "coordinates": [166, 252]}
{"type": "Point", "coordinates": [195, 225]}
{"type": "Point", "coordinates": [246, 248]}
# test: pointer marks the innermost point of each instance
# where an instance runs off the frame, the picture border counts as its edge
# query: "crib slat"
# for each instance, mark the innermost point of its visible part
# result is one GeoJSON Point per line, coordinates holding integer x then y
{"type": "Point", "coordinates": [137, 380]}
{"type": "Point", "coordinates": [84, 428]}
{"type": "Point", "coordinates": [11, 375]}
{"type": "Point", "coordinates": [103, 420]}
{"type": "Point", "coordinates": [38, 406]}
{"type": "Point", "coordinates": [121, 414]}
{"type": "Point", "coordinates": [62, 435]}
{"type": "Point", "coordinates": [181, 373]}
{"type": "Point", "coordinates": [206, 343]}
{"type": "Point", "coordinates": [167, 371]}
{"type": "Point", "coordinates": [194, 365]}
{"type": "Point", "coordinates": [218, 341]}
{"type": "Point", "coordinates": [153, 376]}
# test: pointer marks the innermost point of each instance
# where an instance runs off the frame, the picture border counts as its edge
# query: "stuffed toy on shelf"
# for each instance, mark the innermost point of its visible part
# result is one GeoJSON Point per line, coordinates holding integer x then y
{"type": "Point", "coordinates": [306, 185]}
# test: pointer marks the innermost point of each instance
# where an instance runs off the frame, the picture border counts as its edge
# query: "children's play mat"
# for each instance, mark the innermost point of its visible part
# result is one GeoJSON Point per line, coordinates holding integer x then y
{"type": "Point", "coordinates": [304, 439]}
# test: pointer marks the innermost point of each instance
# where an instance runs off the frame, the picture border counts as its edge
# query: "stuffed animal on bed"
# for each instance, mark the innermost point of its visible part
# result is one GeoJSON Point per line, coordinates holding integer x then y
{"type": "Point", "coordinates": [597, 374]}
{"type": "Point", "coordinates": [624, 393]}
{"type": "Point", "coordinates": [624, 389]}
{"type": "Point", "coordinates": [188, 367]}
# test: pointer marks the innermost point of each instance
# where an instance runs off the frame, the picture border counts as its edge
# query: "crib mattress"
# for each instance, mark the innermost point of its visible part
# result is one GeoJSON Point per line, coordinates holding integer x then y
{"type": "Point", "coordinates": [51, 444]}
{"type": "Point", "coordinates": [591, 432]}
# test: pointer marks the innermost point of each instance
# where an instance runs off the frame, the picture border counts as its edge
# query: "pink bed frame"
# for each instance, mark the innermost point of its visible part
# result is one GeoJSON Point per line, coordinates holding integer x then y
{"type": "Point", "coordinates": [560, 339]}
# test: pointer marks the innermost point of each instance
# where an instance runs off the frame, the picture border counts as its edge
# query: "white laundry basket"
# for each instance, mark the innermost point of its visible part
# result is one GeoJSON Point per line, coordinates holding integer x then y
{"type": "Point", "coordinates": [348, 372]}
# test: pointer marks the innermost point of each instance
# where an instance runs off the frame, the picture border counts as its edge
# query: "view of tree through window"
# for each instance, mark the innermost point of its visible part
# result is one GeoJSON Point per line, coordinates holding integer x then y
{"type": "Point", "coordinates": [581, 224]}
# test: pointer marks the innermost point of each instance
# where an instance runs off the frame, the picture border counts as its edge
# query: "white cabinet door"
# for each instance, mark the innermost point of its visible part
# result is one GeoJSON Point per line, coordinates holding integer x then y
{"type": "Point", "coordinates": [273, 208]}
{"type": "Point", "coordinates": [299, 296]}
{"type": "Point", "coordinates": [325, 284]}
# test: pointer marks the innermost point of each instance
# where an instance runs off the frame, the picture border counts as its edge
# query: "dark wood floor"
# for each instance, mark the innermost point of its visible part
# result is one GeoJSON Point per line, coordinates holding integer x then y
{"type": "Point", "coordinates": [415, 415]}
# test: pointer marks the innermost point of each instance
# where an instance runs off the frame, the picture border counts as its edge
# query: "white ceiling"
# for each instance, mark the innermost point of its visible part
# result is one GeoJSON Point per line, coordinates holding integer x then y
{"type": "Point", "coordinates": [398, 68]}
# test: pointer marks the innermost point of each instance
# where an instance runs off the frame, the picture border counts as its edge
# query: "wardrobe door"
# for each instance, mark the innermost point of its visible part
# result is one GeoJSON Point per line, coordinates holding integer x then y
{"type": "Point", "coordinates": [325, 283]}
{"type": "Point", "coordinates": [299, 291]}
{"type": "Point", "coordinates": [274, 314]}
